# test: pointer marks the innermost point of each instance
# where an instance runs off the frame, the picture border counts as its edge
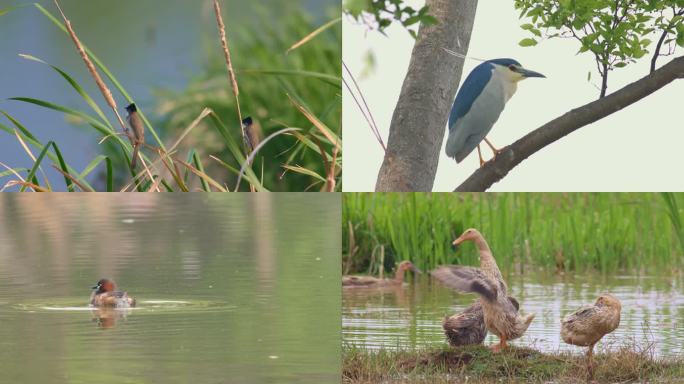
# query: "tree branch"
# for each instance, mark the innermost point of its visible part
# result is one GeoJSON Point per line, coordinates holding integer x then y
{"type": "Point", "coordinates": [666, 31]}
{"type": "Point", "coordinates": [514, 154]}
{"type": "Point", "coordinates": [419, 119]}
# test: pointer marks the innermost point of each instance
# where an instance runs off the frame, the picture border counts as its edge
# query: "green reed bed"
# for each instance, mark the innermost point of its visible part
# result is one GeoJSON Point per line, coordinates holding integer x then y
{"type": "Point", "coordinates": [293, 144]}
{"type": "Point", "coordinates": [565, 232]}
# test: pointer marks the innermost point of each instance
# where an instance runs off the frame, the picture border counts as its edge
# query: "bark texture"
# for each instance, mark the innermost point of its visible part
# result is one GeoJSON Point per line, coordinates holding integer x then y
{"type": "Point", "coordinates": [514, 154]}
{"type": "Point", "coordinates": [419, 120]}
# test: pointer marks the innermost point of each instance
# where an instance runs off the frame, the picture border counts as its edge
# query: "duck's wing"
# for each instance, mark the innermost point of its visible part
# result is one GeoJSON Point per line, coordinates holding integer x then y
{"type": "Point", "coordinates": [514, 302]}
{"type": "Point", "coordinates": [467, 279]}
{"type": "Point", "coordinates": [580, 316]}
{"type": "Point", "coordinates": [470, 317]}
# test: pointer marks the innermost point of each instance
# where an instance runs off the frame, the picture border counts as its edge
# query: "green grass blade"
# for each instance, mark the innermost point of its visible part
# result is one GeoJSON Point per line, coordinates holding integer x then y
{"type": "Point", "coordinates": [332, 80]}
{"type": "Point", "coordinates": [110, 175]}
{"type": "Point", "coordinates": [13, 171]}
{"type": "Point", "coordinates": [304, 171]}
{"type": "Point", "coordinates": [91, 166]}
{"type": "Point", "coordinates": [103, 129]}
{"type": "Point", "coordinates": [198, 164]}
{"type": "Point", "coordinates": [76, 87]}
{"type": "Point", "coordinates": [36, 165]}
{"type": "Point", "coordinates": [62, 165]}
{"type": "Point", "coordinates": [27, 136]}
{"type": "Point", "coordinates": [19, 126]}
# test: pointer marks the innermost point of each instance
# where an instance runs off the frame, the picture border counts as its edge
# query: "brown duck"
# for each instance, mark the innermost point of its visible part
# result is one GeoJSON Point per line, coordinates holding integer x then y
{"type": "Point", "coordinates": [370, 281]}
{"type": "Point", "coordinates": [501, 315]}
{"type": "Point", "coordinates": [468, 327]}
{"type": "Point", "coordinates": [586, 326]}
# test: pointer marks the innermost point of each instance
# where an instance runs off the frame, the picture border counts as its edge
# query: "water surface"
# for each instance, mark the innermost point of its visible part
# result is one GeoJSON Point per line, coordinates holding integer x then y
{"type": "Point", "coordinates": [410, 316]}
{"type": "Point", "coordinates": [233, 288]}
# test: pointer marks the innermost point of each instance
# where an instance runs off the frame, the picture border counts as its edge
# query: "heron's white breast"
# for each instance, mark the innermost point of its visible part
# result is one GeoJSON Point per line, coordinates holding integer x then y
{"type": "Point", "coordinates": [505, 81]}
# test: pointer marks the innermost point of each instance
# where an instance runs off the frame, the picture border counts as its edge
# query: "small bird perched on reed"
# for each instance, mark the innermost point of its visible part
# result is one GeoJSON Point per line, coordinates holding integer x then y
{"type": "Point", "coordinates": [138, 128]}
{"type": "Point", "coordinates": [586, 326]}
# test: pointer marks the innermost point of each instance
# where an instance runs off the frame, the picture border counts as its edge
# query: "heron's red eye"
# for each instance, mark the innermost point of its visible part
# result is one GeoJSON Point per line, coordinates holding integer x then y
{"type": "Point", "coordinates": [511, 67]}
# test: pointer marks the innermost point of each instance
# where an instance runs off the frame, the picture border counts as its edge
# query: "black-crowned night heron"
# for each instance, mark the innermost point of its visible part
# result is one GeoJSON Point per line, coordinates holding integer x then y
{"type": "Point", "coordinates": [479, 103]}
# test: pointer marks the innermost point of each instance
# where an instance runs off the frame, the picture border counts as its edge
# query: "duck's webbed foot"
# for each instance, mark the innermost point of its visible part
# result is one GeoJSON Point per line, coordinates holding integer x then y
{"type": "Point", "coordinates": [499, 347]}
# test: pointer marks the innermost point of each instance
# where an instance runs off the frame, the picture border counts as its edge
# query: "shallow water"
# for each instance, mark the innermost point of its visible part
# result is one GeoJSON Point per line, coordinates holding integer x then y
{"type": "Point", "coordinates": [410, 316]}
{"type": "Point", "coordinates": [230, 288]}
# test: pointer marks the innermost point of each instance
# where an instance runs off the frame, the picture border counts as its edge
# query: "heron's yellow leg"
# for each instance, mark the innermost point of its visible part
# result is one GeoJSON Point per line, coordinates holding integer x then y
{"type": "Point", "coordinates": [494, 149]}
{"type": "Point", "coordinates": [479, 154]}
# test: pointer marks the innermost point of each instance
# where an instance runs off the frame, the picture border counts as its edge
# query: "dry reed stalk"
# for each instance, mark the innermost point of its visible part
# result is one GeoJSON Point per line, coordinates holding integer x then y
{"type": "Point", "coordinates": [73, 179]}
{"type": "Point", "coordinates": [313, 34]}
{"type": "Point", "coordinates": [91, 68]}
{"type": "Point", "coordinates": [229, 65]}
{"type": "Point", "coordinates": [331, 173]}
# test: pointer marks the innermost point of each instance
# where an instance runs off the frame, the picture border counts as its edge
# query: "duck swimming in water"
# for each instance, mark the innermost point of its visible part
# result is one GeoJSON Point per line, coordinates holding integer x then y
{"type": "Point", "coordinates": [105, 295]}
{"type": "Point", "coordinates": [371, 282]}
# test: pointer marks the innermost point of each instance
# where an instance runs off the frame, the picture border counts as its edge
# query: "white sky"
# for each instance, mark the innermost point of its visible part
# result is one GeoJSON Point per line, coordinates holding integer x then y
{"type": "Point", "coordinates": [636, 149]}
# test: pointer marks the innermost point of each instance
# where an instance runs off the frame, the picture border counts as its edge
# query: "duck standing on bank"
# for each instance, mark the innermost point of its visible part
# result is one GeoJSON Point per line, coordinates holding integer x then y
{"type": "Point", "coordinates": [105, 295]}
{"type": "Point", "coordinates": [501, 316]}
{"type": "Point", "coordinates": [586, 326]}
{"type": "Point", "coordinates": [468, 327]}
{"type": "Point", "coordinates": [370, 281]}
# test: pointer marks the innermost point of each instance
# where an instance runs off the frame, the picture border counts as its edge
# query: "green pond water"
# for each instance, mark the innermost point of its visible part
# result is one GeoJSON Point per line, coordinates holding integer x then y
{"type": "Point", "coordinates": [410, 317]}
{"type": "Point", "coordinates": [231, 288]}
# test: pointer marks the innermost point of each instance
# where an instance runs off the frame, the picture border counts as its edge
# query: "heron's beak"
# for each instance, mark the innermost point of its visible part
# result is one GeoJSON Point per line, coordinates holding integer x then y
{"type": "Point", "coordinates": [415, 269]}
{"type": "Point", "coordinates": [528, 73]}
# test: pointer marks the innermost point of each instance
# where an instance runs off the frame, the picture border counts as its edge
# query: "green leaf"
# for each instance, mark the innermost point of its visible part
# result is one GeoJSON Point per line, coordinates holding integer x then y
{"type": "Point", "coordinates": [429, 20]}
{"type": "Point", "coordinates": [354, 7]}
{"type": "Point", "coordinates": [411, 20]}
{"type": "Point", "coordinates": [528, 42]}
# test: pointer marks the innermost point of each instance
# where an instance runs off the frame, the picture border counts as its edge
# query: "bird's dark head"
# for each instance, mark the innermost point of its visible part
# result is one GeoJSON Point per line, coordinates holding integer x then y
{"type": "Point", "coordinates": [132, 108]}
{"type": "Point", "coordinates": [104, 285]}
{"type": "Point", "coordinates": [247, 121]}
{"type": "Point", "coordinates": [514, 70]}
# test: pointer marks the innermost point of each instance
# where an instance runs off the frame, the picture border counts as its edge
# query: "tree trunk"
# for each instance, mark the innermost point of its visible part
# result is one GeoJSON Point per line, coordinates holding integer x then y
{"type": "Point", "coordinates": [419, 120]}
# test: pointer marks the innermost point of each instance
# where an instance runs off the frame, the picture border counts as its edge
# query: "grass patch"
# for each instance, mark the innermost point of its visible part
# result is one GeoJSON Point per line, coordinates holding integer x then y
{"type": "Point", "coordinates": [476, 364]}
